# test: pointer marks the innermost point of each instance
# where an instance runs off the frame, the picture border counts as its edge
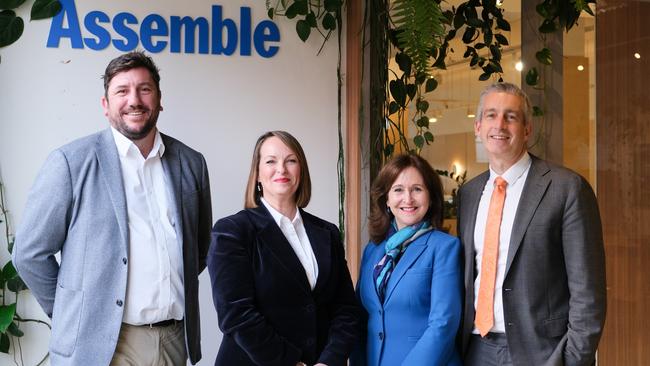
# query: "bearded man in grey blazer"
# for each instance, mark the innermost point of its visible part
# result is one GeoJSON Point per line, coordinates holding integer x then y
{"type": "Point", "coordinates": [536, 296]}
{"type": "Point", "coordinates": [129, 211]}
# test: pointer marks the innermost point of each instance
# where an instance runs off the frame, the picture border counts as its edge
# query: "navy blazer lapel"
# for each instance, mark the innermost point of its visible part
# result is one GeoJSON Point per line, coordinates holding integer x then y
{"type": "Point", "coordinates": [536, 184]}
{"type": "Point", "coordinates": [319, 238]}
{"type": "Point", "coordinates": [412, 253]}
{"type": "Point", "coordinates": [272, 239]}
{"type": "Point", "coordinates": [171, 162]}
{"type": "Point", "coordinates": [109, 163]}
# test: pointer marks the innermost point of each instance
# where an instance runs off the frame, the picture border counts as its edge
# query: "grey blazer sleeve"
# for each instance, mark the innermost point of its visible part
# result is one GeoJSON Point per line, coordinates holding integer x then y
{"type": "Point", "coordinates": [205, 216]}
{"type": "Point", "coordinates": [43, 229]}
{"type": "Point", "coordinates": [584, 258]}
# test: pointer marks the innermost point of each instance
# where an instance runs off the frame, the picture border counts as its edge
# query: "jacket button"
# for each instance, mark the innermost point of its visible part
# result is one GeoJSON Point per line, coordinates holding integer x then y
{"type": "Point", "coordinates": [119, 303]}
{"type": "Point", "coordinates": [381, 336]}
{"type": "Point", "coordinates": [507, 289]}
{"type": "Point", "coordinates": [511, 324]}
{"type": "Point", "coordinates": [124, 260]}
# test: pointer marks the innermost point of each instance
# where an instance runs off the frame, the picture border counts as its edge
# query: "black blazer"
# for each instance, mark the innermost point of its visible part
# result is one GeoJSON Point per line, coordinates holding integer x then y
{"type": "Point", "coordinates": [267, 311]}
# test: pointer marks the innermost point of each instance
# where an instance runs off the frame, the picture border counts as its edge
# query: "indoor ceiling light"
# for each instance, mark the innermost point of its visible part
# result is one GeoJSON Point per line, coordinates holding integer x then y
{"type": "Point", "coordinates": [637, 55]}
{"type": "Point", "coordinates": [580, 67]}
{"type": "Point", "coordinates": [433, 120]}
{"type": "Point", "coordinates": [519, 66]}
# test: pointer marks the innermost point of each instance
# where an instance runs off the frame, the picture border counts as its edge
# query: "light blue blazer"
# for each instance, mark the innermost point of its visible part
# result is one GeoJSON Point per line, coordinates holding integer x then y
{"type": "Point", "coordinates": [418, 321]}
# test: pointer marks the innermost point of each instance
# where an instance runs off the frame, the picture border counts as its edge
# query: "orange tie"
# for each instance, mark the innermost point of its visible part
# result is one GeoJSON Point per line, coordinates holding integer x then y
{"type": "Point", "coordinates": [485, 305]}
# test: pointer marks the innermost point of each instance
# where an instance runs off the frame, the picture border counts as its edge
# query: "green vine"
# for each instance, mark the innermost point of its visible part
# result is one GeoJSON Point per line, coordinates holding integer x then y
{"type": "Point", "coordinates": [10, 281]}
{"type": "Point", "coordinates": [12, 26]}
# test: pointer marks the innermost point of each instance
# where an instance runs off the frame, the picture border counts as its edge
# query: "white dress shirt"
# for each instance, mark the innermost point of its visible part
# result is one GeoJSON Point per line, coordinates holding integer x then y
{"type": "Point", "coordinates": [155, 263]}
{"type": "Point", "coordinates": [294, 231]}
{"type": "Point", "coordinates": [516, 177]}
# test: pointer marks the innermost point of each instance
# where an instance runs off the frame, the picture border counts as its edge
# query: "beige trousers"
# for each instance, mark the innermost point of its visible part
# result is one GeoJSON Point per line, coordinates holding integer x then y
{"type": "Point", "coordinates": [145, 346]}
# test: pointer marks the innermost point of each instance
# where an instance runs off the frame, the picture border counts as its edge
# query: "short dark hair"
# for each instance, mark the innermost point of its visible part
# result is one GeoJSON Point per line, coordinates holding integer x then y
{"type": "Point", "coordinates": [303, 193]}
{"type": "Point", "coordinates": [380, 218]}
{"type": "Point", "coordinates": [128, 61]}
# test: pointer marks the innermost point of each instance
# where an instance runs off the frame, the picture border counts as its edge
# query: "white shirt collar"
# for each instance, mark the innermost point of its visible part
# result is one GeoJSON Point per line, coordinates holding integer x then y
{"type": "Point", "coordinates": [277, 216]}
{"type": "Point", "coordinates": [515, 171]}
{"type": "Point", "coordinates": [124, 144]}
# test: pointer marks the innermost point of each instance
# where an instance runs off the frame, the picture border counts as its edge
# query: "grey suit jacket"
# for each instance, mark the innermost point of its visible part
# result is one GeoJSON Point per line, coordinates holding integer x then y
{"type": "Point", "coordinates": [77, 207]}
{"type": "Point", "coordinates": [554, 287]}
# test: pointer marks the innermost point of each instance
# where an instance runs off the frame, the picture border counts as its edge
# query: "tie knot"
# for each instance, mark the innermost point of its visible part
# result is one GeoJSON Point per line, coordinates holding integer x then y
{"type": "Point", "coordinates": [500, 183]}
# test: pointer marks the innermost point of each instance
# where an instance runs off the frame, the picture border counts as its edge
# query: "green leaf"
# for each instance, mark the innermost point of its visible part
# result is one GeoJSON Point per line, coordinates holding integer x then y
{"type": "Point", "coordinates": [329, 22]}
{"type": "Point", "coordinates": [10, 4]}
{"type": "Point", "coordinates": [270, 13]}
{"type": "Point", "coordinates": [503, 24]}
{"type": "Point", "coordinates": [548, 26]}
{"type": "Point", "coordinates": [544, 56]}
{"type": "Point", "coordinates": [4, 343]}
{"type": "Point", "coordinates": [487, 37]}
{"type": "Point", "coordinates": [431, 85]}
{"type": "Point", "coordinates": [537, 111]}
{"type": "Point", "coordinates": [311, 19]}
{"type": "Point", "coordinates": [422, 106]}
{"type": "Point", "coordinates": [501, 39]}
{"type": "Point", "coordinates": [484, 76]}
{"type": "Point", "coordinates": [388, 151]}
{"type": "Point", "coordinates": [468, 36]}
{"type": "Point", "coordinates": [333, 5]}
{"type": "Point", "coordinates": [6, 316]}
{"type": "Point", "coordinates": [398, 91]}
{"type": "Point", "coordinates": [16, 284]}
{"type": "Point", "coordinates": [422, 122]}
{"type": "Point", "coordinates": [393, 107]}
{"type": "Point", "coordinates": [404, 62]}
{"type": "Point", "coordinates": [9, 271]}
{"type": "Point", "coordinates": [11, 27]}
{"type": "Point", "coordinates": [14, 330]}
{"type": "Point", "coordinates": [428, 136]}
{"type": "Point", "coordinates": [532, 77]}
{"type": "Point", "coordinates": [459, 20]}
{"type": "Point", "coordinates": [302, 7]}
{"type": "Point", "coordinates": [475, 22]}
{"type": "Point", "coordinates": [44, 9]}
{"type": "Point", "coordinates": [291, 11]}
{"type": "Point", "coordinates": [303, 29]}
{"type": "Point", "coordinates": [542, 10]}
{"type": "Point", "coordinates": [419, 141]}
{"type": "Point", "coordinates": [411, 90]}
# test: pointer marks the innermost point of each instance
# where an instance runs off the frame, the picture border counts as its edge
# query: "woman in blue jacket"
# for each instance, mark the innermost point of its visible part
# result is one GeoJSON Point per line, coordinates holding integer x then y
{"type": "Point", "coordinates": [410, 280]}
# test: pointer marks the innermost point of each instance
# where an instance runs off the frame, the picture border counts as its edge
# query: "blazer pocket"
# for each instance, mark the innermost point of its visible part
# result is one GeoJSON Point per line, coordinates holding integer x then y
{"type": "Point", "coordinates": [421, 271]}
{"type": "Point", "coordinates": [66, 317]}
{"type": "Point", "coordinates": [556, 327]}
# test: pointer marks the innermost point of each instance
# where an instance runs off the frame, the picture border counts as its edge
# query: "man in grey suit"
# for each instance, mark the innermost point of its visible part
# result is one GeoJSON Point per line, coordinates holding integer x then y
{"type": "Point", "coordinates": [542, 300]}
{"type": "Point", "coordinates": [129, 211]}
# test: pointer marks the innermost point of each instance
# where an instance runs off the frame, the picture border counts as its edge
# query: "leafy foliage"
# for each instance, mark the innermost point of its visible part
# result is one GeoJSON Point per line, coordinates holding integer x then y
{"type": "Point", "coordinates": [419, 28]}
{"type": "Point", "coordinates": [12, 26]}
{"type": "Point", "coordinates": [10, 281]}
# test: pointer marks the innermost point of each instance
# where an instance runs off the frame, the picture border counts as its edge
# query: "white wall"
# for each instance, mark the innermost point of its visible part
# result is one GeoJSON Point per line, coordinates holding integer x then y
{"type": "Point", "coordinates": [217, 104]}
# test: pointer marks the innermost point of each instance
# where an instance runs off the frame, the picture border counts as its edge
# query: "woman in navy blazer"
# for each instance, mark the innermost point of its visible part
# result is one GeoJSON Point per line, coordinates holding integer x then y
{"type": "Point", "coordinates": [412, 308]}
{"type": "Point", "coordinates": [280, 282]}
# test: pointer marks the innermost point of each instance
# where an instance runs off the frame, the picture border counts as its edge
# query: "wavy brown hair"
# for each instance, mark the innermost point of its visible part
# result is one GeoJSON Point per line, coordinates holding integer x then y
{"type": "Point", "coordinates": [303, 193]}
{"type": "Point", "coordinates": [380, 218]}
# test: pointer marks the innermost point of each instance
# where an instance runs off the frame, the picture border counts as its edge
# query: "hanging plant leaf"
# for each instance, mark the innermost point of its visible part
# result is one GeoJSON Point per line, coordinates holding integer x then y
{"type": "Point", "coordinates": [537, 111]}
{"type": "Point", "coordinates": [311, 19]}
{"type": "Point", "coordinates": [548, 26]}
{"type": "Point", "coordinates": [10, 4]}
{"type": "Point", "coordinates": [393, 107]}
{"type": "Point", "coordinates": [422, 106]}
{"type": "Point", "coordinates": [428, 136]}
{"type": "Point", "coordinates": [532, 77]}
{"type": "Point", "coordinates": [543, 10]}
{"type": "Point", "coordinates": [333, 5]}
{"type": "Point", "coordinates": [4, 343]}
{"type": "Point", "coordinates": [479, 45]}
{"type": "Point", "coordinates": [503, 24]}
{"type": "Point", "coordinates": [487, 36]}
{"type": "Point", "coordinates": [14, 330]}
{"type": "Point", "coordinates": [468, 36]}
{"type": "Point", "coordinates": [431, 85]}
{"type": "Point", "coordinates": [43, 9]}
{"type": "Point", "coordinates": [469, 52]}
{"type": "Point", "coordinates": [544, 56]}
{"type": "Point", "coordinates": [16, 284]}
{"type": "Point", "coordinates": [270, 13]}
{"type": "Point", "coordinates": [291, 11]}
{"type": "Point", "coordinates": [496, 52]}
{"type": "Point", "coordinates": [501, 39]}
{"type": "Point", "coordinates": [303, 29]}
{"type": "Point", "coordinates": [6, 316]}
{"type": "Point", "coordinates": [329, 22]}
{"type": "Point", "coordinates": [419, 140]}
{"type": "Point", "coordinates": [388, 151]}
{"type": "Point", "coordinates": [459, 20]}
{"type": "Point", "coordinates": [11, 27]}
{"type": "Point", "coordinates": [398, 91]}
{"type": "Point", "coordinates": [404, 62]}
{"type": "Point", "coordinates": [422, 121]}
{"type": "Point", "coordinates": [9, 271]}
{"type": "Point", "coordinates": [411, 90]}
{"type": "Point", "coordinates": [484, 76]}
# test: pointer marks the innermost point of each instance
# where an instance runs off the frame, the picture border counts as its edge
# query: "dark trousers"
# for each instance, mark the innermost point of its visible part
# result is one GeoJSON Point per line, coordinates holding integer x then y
{"type": "Point", "coordinates": [491, 350]}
